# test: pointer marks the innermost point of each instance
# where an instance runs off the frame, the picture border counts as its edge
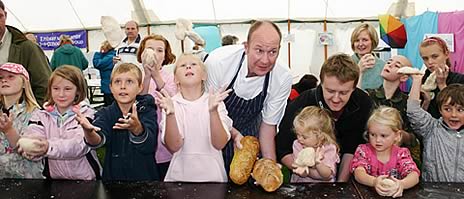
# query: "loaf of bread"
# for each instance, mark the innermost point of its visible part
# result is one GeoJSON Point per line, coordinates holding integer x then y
{"type": "Point", "coordinates": [268, 174]}
{"type": "Point", "coordinates": [244, 159]}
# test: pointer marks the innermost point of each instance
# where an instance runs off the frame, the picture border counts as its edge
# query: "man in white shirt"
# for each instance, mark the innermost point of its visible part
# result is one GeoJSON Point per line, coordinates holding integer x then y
{"type": "Point", "coordinates": [260, 87]}
{"type": "Point", "coordinates": [126, 52]}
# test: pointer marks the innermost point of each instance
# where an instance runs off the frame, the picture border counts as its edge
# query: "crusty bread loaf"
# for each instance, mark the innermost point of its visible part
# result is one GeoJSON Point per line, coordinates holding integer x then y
{"type": "Point", "coordinates": [268, 174]}
{"type": "Point", "coordinates": [242, 163]}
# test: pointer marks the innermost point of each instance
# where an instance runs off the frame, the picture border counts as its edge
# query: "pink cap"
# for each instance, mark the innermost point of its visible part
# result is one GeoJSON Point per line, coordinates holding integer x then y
{"type": "Point", "coordinates": [16, 69]}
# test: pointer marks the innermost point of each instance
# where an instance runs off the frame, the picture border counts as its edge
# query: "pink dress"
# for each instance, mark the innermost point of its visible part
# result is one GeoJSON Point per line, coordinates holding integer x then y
{"type": "Point", "coordinates": [331, 159]}
{"type": "Point", "coordinates": [162, 154]}
{"type": "Point", "coordinates": [399, 165]}
{"type": "Point", "coordinates": [197, 160]}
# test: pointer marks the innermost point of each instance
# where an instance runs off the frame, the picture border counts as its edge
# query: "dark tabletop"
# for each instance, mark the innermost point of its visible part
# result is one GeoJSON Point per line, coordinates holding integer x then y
{"type": "Point", "coordinates": [29, 189]}
{"type": "Point", "coordinates": [97, 189]}
{"type": "Point", "coordinates": [422, 190]}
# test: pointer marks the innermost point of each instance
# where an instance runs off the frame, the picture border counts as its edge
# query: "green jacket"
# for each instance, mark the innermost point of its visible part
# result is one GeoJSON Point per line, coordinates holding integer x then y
{"type": "Point", "coordinates": [32, 57]}
{"type": "Point", "coordinates": [69, 55]}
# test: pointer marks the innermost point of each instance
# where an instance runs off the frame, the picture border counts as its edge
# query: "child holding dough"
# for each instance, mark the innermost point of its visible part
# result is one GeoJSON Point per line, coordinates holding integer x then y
{"type": "Point", "coordinates": [18, 104]}
{"type": "Point", "coordinates": [65, 152]}
{"type": "Point", "coordinates": [155, 53]}
{"type": "Point", "coordinates": [381, 160]}
{"type": "Point", "coordinates": [195, 125]}
{"type": "Point", "coordinates": [314, 129]}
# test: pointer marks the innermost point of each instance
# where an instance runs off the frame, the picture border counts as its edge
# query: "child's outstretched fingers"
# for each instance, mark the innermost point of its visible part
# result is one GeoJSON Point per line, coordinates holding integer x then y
{"type": "Point", "coordinates": [215, 98]}
{"type": "Point", "coordinates": [164, 101]}
{"type": "Point", "coordinates": [6, 122]}
{"type": "Point", "coordinates": [84, 122]}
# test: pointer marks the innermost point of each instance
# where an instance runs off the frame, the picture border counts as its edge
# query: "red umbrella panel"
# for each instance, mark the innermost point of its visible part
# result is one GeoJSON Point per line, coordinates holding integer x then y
{"type": "Point", "coordinates": [392, 31]}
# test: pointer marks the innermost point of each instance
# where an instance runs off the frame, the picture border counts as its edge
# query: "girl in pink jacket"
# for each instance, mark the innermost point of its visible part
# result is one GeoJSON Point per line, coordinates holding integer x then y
{"type": "Point", "coordinates": [61, 137]}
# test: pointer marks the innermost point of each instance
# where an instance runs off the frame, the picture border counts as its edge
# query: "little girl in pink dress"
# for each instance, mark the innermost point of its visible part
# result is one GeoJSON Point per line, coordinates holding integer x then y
{"type": "Point", "coordinates": [381, 158]}
{"type": "Point", "coordinates": [195, 126]}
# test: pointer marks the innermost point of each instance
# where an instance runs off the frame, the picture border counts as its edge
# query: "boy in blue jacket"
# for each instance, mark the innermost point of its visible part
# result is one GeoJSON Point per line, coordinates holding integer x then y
{"type": "Point", "coordinates": [127, 128]}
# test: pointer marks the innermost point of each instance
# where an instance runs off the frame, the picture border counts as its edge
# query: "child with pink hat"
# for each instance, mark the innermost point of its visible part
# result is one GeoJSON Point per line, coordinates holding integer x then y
{"type": "Point", "coordinates": [17, 105]}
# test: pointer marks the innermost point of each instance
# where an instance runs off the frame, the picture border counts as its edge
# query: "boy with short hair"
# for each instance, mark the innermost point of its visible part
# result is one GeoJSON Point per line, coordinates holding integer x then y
{"type": "Point", "coordinates": [442, 138]}
{"type": "Point", "coordinates": [130, 136]}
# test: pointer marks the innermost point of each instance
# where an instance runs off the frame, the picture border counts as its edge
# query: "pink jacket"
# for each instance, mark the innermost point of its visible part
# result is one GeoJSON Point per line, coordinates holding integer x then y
{"type": "Point", "coordinates": [67, 149]}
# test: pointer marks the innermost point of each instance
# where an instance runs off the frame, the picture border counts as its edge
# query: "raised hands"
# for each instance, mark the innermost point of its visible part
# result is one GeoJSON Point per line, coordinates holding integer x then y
{"type": "Point", "coordinates": [130, 122]}
{"type": "Point", "coordinates": [215, 98]}
{"type": "Point", "coordinates": [367, 61]}
{"type": "Point", "coordinates": [149, 61]}
{"type": "Point", "coordinates": [442, 72]}
{"type": "Point", "coordinates": [163, 99]}
{"type": "Point", "coordinates": [84, 122]}
{"type": "Point", "coordinates": [6, 122]}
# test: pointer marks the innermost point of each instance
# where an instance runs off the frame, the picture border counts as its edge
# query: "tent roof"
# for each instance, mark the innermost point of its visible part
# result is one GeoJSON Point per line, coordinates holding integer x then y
{"type": "Point", "coordinates": [51, 15]}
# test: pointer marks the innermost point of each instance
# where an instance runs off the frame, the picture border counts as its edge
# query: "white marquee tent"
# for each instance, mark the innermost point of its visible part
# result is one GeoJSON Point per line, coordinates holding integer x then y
{"type": "Point", "coordinates": [231, 17]}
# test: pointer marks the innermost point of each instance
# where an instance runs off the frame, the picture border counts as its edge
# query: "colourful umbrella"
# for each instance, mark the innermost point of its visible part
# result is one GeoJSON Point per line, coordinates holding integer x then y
{"type": "Point", "coordinates": [392, 31]}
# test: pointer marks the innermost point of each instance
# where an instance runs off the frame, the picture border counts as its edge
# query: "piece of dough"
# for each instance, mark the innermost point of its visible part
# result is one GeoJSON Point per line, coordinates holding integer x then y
{"type": "Point", "coordinates": [242, 163]}
{"type": "Point", "coordinates": [148, 57]}
{"type": "Point", "coordinates": [306, 157]}
{"type": "Point", "coordinates": [267, 174]}
{"type": "Point", "coordinates": [27, 144]}
{"type": "Point", "coordinates": [182, 25]}
{"type": "Point", "coordinates": [409, 71]}
{"type": "Point", "coordinates": [112, 30]}
{"type": "Point", "coordinates": [390, 185]}
{"type": "Point", "coordinates": [195, 37]}
{"type": "Point", "coordinates": [387, 183]}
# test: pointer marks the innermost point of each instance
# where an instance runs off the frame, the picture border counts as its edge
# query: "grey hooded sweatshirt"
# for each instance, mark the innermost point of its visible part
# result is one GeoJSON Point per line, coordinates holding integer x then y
{"type": "Point", "coordinates": [443, 156]}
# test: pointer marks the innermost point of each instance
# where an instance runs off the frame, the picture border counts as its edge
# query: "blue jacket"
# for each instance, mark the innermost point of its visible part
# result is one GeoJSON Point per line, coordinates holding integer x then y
{"type": "Point", "coordinates": [129, 157]}
{"type": "Point", "coordinates": [104, 63]}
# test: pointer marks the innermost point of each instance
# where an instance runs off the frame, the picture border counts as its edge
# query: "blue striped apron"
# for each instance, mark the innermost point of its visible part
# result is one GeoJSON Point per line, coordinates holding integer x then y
{"type": "Point", "coordinates": [246, 114]}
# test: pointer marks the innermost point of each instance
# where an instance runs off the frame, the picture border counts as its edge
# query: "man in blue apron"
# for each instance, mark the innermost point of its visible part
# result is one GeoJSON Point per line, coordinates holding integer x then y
{"type": "Point", "coordinates": [260, 86]}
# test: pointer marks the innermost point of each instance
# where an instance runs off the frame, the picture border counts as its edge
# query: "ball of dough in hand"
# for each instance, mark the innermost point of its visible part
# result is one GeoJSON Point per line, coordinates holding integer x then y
{"type": "Point", "coordinates": [27, 144]}
{"type": "Point", "coordinates": [306, 157]}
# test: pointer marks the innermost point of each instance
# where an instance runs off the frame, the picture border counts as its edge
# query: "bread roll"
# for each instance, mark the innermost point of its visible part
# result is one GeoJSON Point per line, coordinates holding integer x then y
{"type": "Point", "coordinates": [268, 174]}
{"type": "Point", "coordinates": [242, 163]}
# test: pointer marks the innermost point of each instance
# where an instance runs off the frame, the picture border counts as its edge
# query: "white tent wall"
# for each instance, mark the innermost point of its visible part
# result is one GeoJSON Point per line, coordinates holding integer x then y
{"type": "Point", "coordinates": [306, 54]}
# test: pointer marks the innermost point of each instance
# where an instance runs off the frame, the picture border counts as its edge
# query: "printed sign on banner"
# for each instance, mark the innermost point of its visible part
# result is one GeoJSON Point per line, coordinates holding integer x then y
{"type": "Point", "coordinates": [51, 40]}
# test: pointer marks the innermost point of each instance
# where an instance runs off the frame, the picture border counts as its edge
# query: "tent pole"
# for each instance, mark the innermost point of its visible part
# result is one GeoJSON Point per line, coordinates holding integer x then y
{"type": "Point", "coordinates": [182, 45]}
{"type": "Point", "coordinates": [87, 38]}
{"type": "Point", "coordinates": [288, 43]}
{"type": "Point", "coordinates": [325, 45]}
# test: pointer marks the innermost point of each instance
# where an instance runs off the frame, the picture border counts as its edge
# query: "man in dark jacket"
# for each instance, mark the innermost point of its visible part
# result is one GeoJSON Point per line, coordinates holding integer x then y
{"type": "Point", "coordinates": [16, 48]}
{"type": "Point", "coordinates": [349, 106]}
